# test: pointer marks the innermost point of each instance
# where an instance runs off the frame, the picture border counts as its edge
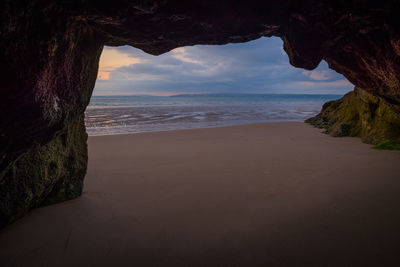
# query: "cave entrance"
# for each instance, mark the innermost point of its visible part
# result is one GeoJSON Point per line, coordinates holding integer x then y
{"type": "Point", "coordinates": [205, 86]}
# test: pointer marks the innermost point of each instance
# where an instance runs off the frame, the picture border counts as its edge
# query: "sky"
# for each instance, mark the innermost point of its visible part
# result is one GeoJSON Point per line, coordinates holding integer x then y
{"type": "Point", "coordinates": [259, 66]}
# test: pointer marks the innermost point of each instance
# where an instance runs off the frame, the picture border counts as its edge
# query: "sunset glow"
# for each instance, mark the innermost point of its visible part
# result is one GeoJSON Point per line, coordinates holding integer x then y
{"type": "Point", "coordinates": [112, 59]}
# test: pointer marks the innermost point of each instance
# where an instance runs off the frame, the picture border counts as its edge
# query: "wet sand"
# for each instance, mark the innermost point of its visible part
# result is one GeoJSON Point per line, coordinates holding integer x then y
{"type": "Point", "coordinates": [276, 194]}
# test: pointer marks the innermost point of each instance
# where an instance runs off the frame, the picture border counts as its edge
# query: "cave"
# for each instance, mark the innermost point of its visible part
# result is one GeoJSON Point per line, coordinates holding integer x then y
{"type": "Point", "coordinates": [49, 62]}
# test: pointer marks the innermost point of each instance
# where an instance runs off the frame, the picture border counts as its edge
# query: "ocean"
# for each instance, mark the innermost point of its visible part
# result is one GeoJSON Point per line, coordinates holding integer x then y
{"type": "Point", "coordinates": [109, 115]}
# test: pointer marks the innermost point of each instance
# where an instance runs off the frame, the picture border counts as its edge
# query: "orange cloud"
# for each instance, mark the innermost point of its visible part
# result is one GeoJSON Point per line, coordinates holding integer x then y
{"type": "Point", "coordinates": [112, 59]}
{"type": "Point", "coordinates": [103, 75]}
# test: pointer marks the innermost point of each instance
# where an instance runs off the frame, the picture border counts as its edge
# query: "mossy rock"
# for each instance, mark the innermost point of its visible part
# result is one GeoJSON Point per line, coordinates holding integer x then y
{"type": "Point", "coordinates": [361, 114]}
{"type": "Point", "coordinates": [46, 174]}
{"type": "Point", "coordinates": [388, 145]}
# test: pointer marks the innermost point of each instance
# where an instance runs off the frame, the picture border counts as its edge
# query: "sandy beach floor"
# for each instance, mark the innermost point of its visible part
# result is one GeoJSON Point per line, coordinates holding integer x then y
{"type": "Point", "coordinates": [276, 194]}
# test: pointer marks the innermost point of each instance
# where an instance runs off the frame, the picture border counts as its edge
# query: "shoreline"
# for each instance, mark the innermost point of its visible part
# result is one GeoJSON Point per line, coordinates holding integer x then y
{"type": "Point", "coordinates": [265, 194]}
{"type": "Point", "coordinates": [206, 127]}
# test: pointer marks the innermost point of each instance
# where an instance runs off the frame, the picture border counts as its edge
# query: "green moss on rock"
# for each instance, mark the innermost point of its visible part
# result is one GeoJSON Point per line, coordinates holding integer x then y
{"type": "Point", "coordinates": [46, 174]}
{"type": "Point", "coordinates": [361, 114]}
{"type": "Point", "coordinates": [388, 145]}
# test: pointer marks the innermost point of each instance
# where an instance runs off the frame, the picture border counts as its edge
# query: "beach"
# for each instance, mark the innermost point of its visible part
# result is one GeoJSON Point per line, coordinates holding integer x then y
{"type": "Point", "coordinates": [266, 194]}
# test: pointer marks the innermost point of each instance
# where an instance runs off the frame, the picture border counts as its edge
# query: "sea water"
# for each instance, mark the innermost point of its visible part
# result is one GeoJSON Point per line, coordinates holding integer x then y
{"type": "Point", "coordinates": [107, 115]}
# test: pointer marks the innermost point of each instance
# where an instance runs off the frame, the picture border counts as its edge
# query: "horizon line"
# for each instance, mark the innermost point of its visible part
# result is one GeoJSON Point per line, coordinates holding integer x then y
{"type": "Point", "coordinates": [203, 94]}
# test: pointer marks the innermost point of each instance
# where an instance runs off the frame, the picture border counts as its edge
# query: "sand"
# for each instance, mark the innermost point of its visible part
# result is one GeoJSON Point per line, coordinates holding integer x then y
{"type": "Point", "coordinates": [276, 194]}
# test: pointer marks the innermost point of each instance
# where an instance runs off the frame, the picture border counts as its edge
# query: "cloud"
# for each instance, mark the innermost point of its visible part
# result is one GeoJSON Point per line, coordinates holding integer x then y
{"type": "Point", "coordinates": [182, 55]}
{"type": "Point", "coordinates": [339, 83]}
{"type": "Point", "coordinates": [258, 66]}
{"type": "Point", "coordinates": [319, 75]}
{"type": "Point", "coordinates": [155, 93]}
{"type": "Point", "coordinates": [103, 75]}
{"type": "Point", "coordinates": [112, 59]}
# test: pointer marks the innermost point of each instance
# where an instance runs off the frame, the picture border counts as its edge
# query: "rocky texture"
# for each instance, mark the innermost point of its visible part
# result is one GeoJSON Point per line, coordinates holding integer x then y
{"type": "Point", "coordinates": [362, 114]}
{"type": "Point", "coordinates": [48, 68]}
{"type": "Point", "coordinates": [49, 52]}
{"type": "Point", "coordinates": [45, 174]}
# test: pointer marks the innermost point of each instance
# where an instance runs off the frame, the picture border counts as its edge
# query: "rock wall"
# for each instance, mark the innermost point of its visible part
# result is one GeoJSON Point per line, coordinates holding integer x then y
{"type": "Point", "coordinates": [49, 52]}
{"type": "Point", "coordinates": [362, 114]}
{"type": "Point", "coordinates": [45, 174]}
{"type": "Point", "coordinates": [48, 68]}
